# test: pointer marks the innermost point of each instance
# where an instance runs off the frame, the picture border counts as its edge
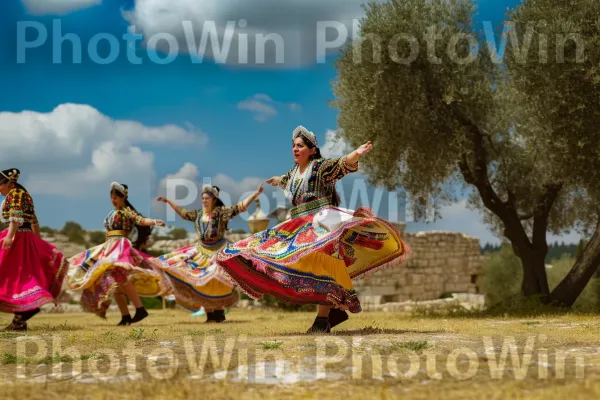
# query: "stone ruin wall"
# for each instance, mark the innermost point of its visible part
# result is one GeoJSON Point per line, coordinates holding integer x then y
{"type": "Point", "coordinates": [441, 263]}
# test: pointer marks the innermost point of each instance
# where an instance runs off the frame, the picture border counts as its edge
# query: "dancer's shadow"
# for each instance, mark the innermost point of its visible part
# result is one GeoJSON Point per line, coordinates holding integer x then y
{"type": "Point", "coordinates": [381, 331]}
{"type": "Point", "coordinates": [363, 332]}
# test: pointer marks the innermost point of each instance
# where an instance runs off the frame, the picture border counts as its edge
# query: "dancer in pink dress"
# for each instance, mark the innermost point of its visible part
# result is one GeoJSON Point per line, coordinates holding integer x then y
{"type": "Point", "coordinates": [115, 266]}
{"type": "Point", "coordinates": [31, 269]}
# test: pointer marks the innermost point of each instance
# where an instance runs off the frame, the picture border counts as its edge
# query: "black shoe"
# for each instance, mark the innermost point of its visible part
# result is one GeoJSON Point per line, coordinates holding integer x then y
{"type": "Point", "coordinates": [210, 317]}
{"type": "Point", "coordinates": [125, 320]}
{"type": "Point", "coordinates": [219, 315]}
{"type": "Point", "coordinates": [140, 314]}
{"type": "Point", "coordinates": [321, 325]}
{"type": "Point", "coordinates": [336, 317]}
{"type": "Point", "coordinates": [27, 315]}
{"type": "Point", "coordinates": [17, 325]}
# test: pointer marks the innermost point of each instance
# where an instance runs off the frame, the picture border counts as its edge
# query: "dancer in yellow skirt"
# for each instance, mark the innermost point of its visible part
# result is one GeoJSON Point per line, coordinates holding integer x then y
{"type": "Point", "coordinates": [197, 280]}
{"type": "Point", "coordinates": [115, 266]}
{"type": "Point", "coordinates": [313, 257]}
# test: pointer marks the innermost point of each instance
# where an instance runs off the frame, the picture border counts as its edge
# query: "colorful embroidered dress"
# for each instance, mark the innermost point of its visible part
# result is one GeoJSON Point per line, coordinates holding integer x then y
{"type": "Point", "coordinates": [31, 270]}
{"type": "Point", "coordinates": [99, 271]}
{"type": "Point", "coordinates": [197, 280]}
{"type": "Point", "coordinates": [313, 257]}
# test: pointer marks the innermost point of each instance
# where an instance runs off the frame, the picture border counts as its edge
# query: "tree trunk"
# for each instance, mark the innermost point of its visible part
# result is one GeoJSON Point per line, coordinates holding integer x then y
{"type": "Point", "coordinates": [569, 289]}
{"type": "Point", "coordinates": [535, 281]}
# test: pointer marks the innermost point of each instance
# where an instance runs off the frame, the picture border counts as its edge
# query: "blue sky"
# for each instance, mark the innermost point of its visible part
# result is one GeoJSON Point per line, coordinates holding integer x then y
{"type": "Point", "coordinates": [72, 128]}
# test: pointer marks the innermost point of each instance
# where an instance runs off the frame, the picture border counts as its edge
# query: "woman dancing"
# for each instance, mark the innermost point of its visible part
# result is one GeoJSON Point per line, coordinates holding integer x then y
{"type": "Point", "coordinates": [197, 281]}
{"type": "Point", "coordinates": [139, 237]}
{"type": "Point", "coordinates": [313, 257]}
{"type": "Point", "coordinates": [31, 270]}
{"type": "Point", "coordinates": [115, 267]}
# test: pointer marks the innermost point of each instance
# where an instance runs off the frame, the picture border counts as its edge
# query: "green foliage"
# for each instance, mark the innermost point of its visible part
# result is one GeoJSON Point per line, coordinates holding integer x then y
{"type": "Point", "coordinates": [47, 230]}
{"type": "Point", "coordinates": [521, 136]}
{"type": "Point", "coordinates": [178, 234]}
{"type": "Point", "coordinates": [96, 237]}
{"type": "Point", "coordinates": [589, 299]}
{"type": "Point", "coordinates": [71, 227]}
{"type": "Point", "coordinates": [152, 303]}
{"type": "Point", "coordinates": [501, 281]}
{"type": "Point", "coordinates": [555, 250]}
{"type": "Point", "coordinates": [501, 278]}
{"type": "Point", "coordinates": [76, 237]}
{"type": "Point", "coordinates": [273, 302]}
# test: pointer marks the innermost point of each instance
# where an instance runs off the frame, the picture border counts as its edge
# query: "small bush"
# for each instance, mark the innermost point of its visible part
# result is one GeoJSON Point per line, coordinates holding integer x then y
{"type": "Point", "coordinates": [502, 276]}
{"type": "Point", "coordinates": [96, 237]}
{"type": "Point", "coordinates": [273, 302]}
{"type": "Point", "coordinates": [152, 303]}
{"type": "Point", "coordinates": [76, 237]}
{"type": "Point", "coordinates": [178, 234]}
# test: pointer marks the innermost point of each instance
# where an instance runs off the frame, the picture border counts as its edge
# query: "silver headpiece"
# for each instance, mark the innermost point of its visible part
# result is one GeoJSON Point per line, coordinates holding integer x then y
{"type": "Point", "coordinates": [119, 188]}
{"type": "Point", "coordinates": [210, 190]}
{"type": "Point", "coordinates": [302, 131]}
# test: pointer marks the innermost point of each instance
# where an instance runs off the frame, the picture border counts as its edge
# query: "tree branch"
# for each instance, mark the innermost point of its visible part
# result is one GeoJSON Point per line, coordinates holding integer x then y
{"type": "Point", "coordinates": [542, 212]}
{"type": "Point", "coordinates": [525, 217]}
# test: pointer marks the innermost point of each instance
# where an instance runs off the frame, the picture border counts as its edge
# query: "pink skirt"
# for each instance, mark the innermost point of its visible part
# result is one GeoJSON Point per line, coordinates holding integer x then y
{"type": "Point", "coordinates": [31, 272]}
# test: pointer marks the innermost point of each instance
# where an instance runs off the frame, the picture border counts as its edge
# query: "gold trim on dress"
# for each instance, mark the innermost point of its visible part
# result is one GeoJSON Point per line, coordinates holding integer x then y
{"type": "Point", "coordinates": [116, 233]}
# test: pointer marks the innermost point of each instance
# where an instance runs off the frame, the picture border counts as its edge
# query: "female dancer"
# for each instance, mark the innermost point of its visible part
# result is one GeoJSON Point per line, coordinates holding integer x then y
{"type": "Point", "coordinates": [139, 239]}
{"type": "Point", "coordinates": [115, 266]}
{"type": "Point", "coordinates": [313, 257]}
{"type": "Point", "coordinates": [31, 270]}
{"type": "Point", "coordinates": [197, 280]}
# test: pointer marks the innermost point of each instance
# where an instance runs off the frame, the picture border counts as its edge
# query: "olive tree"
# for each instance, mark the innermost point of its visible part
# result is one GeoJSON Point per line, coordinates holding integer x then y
{"type": "Point", "coordinates": [442, 108]}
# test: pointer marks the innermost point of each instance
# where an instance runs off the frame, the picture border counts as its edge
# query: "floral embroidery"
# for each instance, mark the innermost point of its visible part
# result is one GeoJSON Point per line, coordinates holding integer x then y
{"type": "Point", "coordinates": [318, 180]}
{"type": "Point", "coordinates": [122, 220]}
{"type": "Point", "coordinates": [18, 206]}
{"type": "Point", "coordinates": [211, 227]}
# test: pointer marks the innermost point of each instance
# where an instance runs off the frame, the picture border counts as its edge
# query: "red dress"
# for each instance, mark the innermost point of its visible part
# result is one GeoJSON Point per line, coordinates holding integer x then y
{"type": "Point", "coordinates": [31, 270]}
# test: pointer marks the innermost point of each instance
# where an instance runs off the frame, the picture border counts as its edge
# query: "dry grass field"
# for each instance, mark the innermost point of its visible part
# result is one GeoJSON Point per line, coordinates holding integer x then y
{"type": "Point", "coordinates": [260, 354]}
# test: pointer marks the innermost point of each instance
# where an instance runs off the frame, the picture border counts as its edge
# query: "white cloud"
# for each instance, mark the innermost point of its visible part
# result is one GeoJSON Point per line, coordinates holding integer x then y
{"type": "Point", "coordinates": [58, 7]}
{"type": "Point", "coordinates": [294, 22]}
{"type": "Point", "coordinates": [75, 150]}
{"type": "Point", "coordinates": [334, 146]}
{"type": "Point", "coordinates": [264, 107]}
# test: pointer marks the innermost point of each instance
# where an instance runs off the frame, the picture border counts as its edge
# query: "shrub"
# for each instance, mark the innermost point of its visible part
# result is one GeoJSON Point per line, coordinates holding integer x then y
{"type": "Point", "coordinates": [178, 234]}
{"type": "Point", "coordinates": [502, 276]}
{"type": "Point", "coordinates": [273, 302]}
{"type": "Point", "coordinates": [76, 237]}
{"type": "Point", "coordinates": [152, 303]}
{"type": "Point", "coordinates": [96, 237]}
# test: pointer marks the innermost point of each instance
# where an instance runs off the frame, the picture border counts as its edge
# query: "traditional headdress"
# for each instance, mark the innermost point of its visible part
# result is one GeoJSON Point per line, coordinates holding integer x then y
{"type": "Point", "coordinates": [302, 131]}
{"type": "Point", "coordinates": [212, 190]}
{"type": "Point", "coordinates": [119, 188]}
{"type": "Point", "coordinates": [11, 174]}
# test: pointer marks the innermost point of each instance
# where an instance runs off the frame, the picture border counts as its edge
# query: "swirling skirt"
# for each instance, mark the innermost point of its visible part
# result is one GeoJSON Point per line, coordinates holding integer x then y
{"type": "Point", "coordinates": [99, 271]}
{"type": "Point", "coordinates": [31, 272]}
{"type": "Point", "coordinates": [197, 281]}
{"type": "Point", "coordinates": [313, 258]}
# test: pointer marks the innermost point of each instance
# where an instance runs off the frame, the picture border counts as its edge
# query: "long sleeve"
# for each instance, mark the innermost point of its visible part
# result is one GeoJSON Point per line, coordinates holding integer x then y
{"type": "Point", "coordinates": [334, 169]}
{"type": "Point", "coordinates": [132, 217]}
{"type": "Point", "coordinates": [190, 215]}
{"type": "Point", "coordinates": [18, 207]}
{"type": "Point", "coordinates": [228, 213]}
{"type": "Point", "coordinates": [13, 207]}
{"type": "Point", "coordinates": [285, 179]}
